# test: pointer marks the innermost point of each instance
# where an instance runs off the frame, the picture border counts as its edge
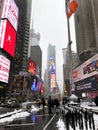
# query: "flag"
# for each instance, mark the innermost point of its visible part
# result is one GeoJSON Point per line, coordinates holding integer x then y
{"type": "Point", "coordinates": [71, 6]}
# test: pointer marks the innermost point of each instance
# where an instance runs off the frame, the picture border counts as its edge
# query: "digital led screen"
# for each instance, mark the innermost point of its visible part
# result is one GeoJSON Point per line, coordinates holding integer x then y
{"type": "Point", "coordinates": [7, 37]}
{"type": "Point", "coordinates": [52, 72]}
{"type": "Point", "coordinates": [52, 67]}
{"type": "Point", "coordinates": [34, 84]}
{"type": "Point", "coordinates": [38, 86]}
{"type": "Point", "coordinates": [9, 11]}
{"type": "Point", "coordinates": [53, 84]}
{"type": "Point", "coordinates": [52, 76]}
{"type": "Point", "coordinates": [32, 67]}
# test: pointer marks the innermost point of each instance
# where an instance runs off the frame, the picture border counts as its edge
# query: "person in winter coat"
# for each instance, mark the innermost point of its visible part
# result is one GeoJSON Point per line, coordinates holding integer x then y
{"type": "Point", "coordinates": [49, 105]}
{"type": "Point", "coordinates": [43, 103]}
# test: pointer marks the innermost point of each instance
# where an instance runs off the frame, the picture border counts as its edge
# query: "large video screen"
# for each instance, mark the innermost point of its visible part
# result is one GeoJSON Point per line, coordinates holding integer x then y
{"type": "Point", "coordinates": [31, 67]}
{"type": "Point", "coordinates": [7, 37]}
{"type": "Point", "coordinates": [34, 84]}
{"type": "Point", "coordinates": [9, 10]}
{"type": "Point", "coordinates": [52, 73]}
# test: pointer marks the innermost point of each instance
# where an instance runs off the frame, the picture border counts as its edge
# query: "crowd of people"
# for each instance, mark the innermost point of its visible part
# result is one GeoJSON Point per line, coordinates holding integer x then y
{"type": "Point", "coordinates": [53, 104]}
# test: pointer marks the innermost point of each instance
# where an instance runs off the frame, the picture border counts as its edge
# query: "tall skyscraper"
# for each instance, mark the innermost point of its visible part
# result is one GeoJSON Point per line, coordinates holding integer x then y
{"type": "Point", "coordinates": [51, 67]}
{"type": "Point", "coordinates": [67, 69]}
{"type": "Point", "coordinates": [21, 56]}
{"type": "Point", "coordinates": [86, 26]}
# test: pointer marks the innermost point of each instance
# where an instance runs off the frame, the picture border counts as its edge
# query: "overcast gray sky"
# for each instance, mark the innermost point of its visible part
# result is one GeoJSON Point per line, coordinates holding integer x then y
{"type": "Point", "coordinates": [49, 19]}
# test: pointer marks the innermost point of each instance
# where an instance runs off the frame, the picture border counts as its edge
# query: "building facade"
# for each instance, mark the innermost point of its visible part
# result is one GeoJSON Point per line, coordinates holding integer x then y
{"type": "Point", "coordinates": [67, 69]}
{"type": "Point", "coordinates": [21, 55]}
{"type": "Point", "coordinates": [36, 56]}
{"type": "Point", "coordinates": [51, 67]}
{"type": "Point", "coordinates": [19, 79]}
{"type": "Point", "coordinates": [86, 28]}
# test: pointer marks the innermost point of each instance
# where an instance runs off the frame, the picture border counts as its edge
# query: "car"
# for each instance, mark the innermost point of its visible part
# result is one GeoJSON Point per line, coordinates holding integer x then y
{"type": "Point", "coordinates": [12, 103]}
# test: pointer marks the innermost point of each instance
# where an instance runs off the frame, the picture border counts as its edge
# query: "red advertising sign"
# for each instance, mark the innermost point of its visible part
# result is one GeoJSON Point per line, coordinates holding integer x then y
{"type": "Point", "coordinates": [9, 11]}
{"type": "Point", "coordinates": [4, 69]}
{"type": "Point", "coordinates": [7, 37]}
{"type": "Point", "coordinates": [74, 74]}
{"type": "Point", "coordinates": [32, 67]}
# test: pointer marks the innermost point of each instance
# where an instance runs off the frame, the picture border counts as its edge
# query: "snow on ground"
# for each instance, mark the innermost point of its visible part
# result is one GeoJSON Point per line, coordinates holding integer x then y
{"type": "Point", "coordinates": [10, 113]}
{"type": "Point", "coordinates": [19, 114]}
{"type": "Point", "coordinates": [15, 115]}
{"type": "Point", "coordinates": [61, 125]}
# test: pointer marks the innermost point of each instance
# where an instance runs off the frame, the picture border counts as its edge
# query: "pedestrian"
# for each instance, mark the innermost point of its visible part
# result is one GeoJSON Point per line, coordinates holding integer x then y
{"type": "Point", "coordinates": [49, 105]}
{"type": "Point", "coordinates": [56, 104]}
{"type": "Point", "coordinates": [43, 103]}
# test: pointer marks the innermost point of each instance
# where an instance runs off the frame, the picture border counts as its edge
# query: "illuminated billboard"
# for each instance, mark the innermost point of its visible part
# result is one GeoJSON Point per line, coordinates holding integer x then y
{"type": "Point", "coordinates": [32, 67]}
{"type": "Point", "coordinates": [53, 84]}
{"type": "Point", "coordinates": [52, 72]}
{"type": "Point", "coordinates": [52, 77]}
{"type": "Point", "coordinates": [7, 37]}
{"type": "Point", "coordinates": [87, 69]}
{"type": "Point", "coordinates": [4, 69]}
{"type": "Point", "coordinates": [52, 67]}
{"type": "Point", "coordinates": [9, 11]}
{"type": "Point", "coordinates": [34, 84]}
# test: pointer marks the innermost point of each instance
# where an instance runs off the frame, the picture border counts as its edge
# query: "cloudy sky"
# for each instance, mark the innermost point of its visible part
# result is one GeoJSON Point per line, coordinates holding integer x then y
{"type": "Point", "coordinates": [49, 19]}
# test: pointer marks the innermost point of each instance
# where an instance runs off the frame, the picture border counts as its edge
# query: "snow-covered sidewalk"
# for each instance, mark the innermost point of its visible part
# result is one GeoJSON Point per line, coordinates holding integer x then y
{"type": "Point", "coordinates": [16, 115]}
{"type": "Point", "coordinates": [10, 113]}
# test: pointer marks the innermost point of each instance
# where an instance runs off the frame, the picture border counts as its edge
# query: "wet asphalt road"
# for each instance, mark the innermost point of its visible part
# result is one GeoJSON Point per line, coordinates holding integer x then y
{"type": "Point", "coordinates": [37, 121]}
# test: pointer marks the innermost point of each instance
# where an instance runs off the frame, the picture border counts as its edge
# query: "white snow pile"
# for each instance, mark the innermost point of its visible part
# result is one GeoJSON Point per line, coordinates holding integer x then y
{"type": "Point", "coordinates": [34, 109]}
{"type": "Point", "coordinates": [10, 113]}
{"type": "Point", "coordinates": [16, 115]}
{"type": "Point", "coordinates": [61, 125]}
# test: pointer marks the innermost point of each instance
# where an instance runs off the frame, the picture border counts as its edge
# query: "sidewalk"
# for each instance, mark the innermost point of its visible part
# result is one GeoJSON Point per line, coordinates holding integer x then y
{"type": "Point", "coordinates": [6, 114]}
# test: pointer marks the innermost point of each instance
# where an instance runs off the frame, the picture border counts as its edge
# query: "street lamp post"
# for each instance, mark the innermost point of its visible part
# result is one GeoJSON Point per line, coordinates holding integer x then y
{"type": "Point", "coordinates": [71, 6]}
{"type": "Point", "coordinates": [70, 57]}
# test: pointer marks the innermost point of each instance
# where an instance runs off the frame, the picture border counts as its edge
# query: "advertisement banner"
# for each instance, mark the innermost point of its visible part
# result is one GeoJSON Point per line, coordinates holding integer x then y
{"type": "Point", "coordinates": [53, 84]}
{"type": "Point", "coordinates": [7, 37]}
{"type": "Point", "coordinates": [32, 67]}
{"type": "Point", "coordinates": [88, 84]}
{"type": "Point", "coordinates": [4, 69]}
{"type": "Point", "coordinates": [9, 10]}
{"type": "Point", "coordinates": [52, 73]}
{"type": "Point", "coordinates": [87, 69]}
